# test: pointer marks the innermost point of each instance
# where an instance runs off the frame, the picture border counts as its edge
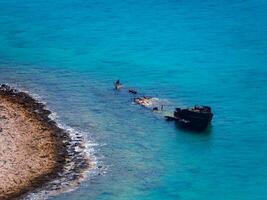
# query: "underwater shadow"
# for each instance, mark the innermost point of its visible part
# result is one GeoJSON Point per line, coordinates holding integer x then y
{"type": "Point", "coordinates": [207, 132]}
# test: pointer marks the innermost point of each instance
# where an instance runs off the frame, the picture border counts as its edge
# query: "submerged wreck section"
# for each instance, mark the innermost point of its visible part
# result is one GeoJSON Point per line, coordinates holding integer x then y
{"type": "Point", "coordinates": [35, 153]}
{"type": "Point", "coordinates": [195, 118]}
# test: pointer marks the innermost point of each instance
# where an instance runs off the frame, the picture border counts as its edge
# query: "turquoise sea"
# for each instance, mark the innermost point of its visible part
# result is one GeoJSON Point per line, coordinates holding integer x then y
{"type": "Point", "coordinates": [211, 52]}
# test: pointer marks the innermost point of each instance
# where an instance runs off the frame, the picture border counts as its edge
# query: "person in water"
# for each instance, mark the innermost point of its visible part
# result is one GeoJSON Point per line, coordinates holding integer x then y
{"type": "Point", "coordinates": [118, 85]}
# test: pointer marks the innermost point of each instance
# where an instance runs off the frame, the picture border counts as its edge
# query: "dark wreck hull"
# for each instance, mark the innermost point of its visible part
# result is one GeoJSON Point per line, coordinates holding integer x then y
{"type": "Point", "coordinates": [198, 126]}
{"type": "Point", "coordinates": [191, 119]}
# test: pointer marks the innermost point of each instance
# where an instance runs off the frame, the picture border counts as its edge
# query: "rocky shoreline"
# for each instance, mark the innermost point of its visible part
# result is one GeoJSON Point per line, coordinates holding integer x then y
{"type": "Point", "coordinates": [33, 149]}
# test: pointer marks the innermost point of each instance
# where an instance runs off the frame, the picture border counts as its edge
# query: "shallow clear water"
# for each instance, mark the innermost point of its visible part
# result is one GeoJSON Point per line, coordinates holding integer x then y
{"type": "Point", "coordinates": [185, 52]}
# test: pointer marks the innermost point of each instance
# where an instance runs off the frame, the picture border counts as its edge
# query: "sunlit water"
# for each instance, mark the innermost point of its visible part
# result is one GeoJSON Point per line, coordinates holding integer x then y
{"type": "Point", "coordinates": [183, 52]}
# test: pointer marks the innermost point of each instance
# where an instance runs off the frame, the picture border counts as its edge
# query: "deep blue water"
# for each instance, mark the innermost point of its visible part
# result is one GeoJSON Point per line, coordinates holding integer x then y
{"type": "Point", "coordinates": [185, 52]}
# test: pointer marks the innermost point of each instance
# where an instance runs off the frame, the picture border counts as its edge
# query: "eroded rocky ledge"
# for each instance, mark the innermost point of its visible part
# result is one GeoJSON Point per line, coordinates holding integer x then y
{"type": "Point", "coordinates": [33, 149]}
